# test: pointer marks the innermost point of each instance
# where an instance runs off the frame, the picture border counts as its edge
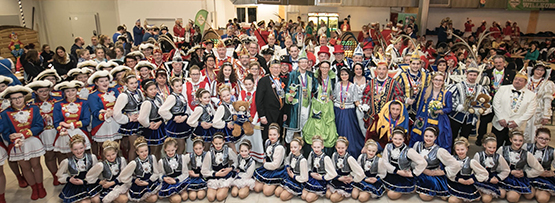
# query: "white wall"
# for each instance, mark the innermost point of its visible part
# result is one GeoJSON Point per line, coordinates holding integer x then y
{"type": "Point", "coordinates": [477, 15]}
{"type": "Point", "coordinates": [545, 22]}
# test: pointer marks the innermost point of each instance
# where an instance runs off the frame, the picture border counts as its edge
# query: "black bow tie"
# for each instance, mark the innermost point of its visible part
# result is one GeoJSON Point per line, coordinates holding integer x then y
{"type": "Point", "coordinates": [516, 91]}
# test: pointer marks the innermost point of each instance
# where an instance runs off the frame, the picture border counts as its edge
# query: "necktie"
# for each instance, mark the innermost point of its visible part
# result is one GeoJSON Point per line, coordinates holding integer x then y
{"type": "Point", "coordinates": [498, 72]}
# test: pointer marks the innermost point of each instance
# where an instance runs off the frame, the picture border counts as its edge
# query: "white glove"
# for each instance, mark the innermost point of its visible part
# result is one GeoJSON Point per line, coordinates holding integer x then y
{"type": "Point", "coordinates": [460, 108]}
{"type": "Point", "coordinates": [365, 107]}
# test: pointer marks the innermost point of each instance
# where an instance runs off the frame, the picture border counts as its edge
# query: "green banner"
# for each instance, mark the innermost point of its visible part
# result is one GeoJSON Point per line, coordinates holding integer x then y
{"type": "Point", "coordinates": [530, 4]}
{"type": "Point", "coordinates": [200, 19]}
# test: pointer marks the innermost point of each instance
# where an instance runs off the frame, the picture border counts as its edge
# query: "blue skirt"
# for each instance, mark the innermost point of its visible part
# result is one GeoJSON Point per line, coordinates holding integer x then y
{"type": "Point", "coordinates": [339, 185]}
{"type": "Point", "coordinates": [168, 190]}
{"type": "Point", "coordinates": [432, 185]}
{"type": "Point", "coordinates": [196, 184]}
{"type": "Point", "coordinates": [205, 134]}
{"type": "Point", "coordinates": [269, 177]}
{"type": "Point", "coordinates": [74, 193]}
{"type": "Point", "coordinates": [544, 183]}
{"type": "Point", "coordinates": [520, 185]}
{"type": "Point", "coordinates": [347, 125]}
{"type": "Point", "coordinates": [155, 137]}
{"type": "Point", "coordinates": [292, 186]}
{"type": "Point", "coordinates": [229, 138]}
{"type": "Point", "coordinates": [178, 130]}
{"type": "Point", "coordinates": [131, 128]}
{"type": "Point", "coordinates": [139, 193]}
{"type": "Point", "coordinates": [316, 186]}
{"type": "Point", "coordinates": [377, 189]}
{"type": "Point", "coordinates": [467, 193]}
{"type": "Point", "coordinates": [397, 183]}
{"type": "Point", "coordinates": [489, 188]}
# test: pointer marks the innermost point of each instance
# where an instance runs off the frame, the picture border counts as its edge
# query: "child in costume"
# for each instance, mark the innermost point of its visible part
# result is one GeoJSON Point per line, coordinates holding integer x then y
{"type": "Point", "coordinates": [217, 168]}
{"type": "Point", "coordinates": [126, 113]}
{"type": "Point", "coordinates": [374, 170]}
{"type": "Point", "coordinates": [142, 174]}
{"type": "Point", "coordinates": [153, 126]}
{"type": "Point", "coordinates": [74, 172]}
{"type": "Point", "coordinates": [244, 183]}
{"type": "Point", "coordinates": [108, 172]}
{"type": "Point", "coordinates": [174, 111]}
{"type": "Point", "coordinates": [297, 172]}
{"type": "Point", "coordinates": [461, 186]}
{"type": "Point", "coordinates": [496, 166]}
{"type": "Point", "coordinates": [544, 185]}
{"type": "Point", "coordinates": [202, 117]}
{"type": "Point", "coordinates": [348, 171]}
{"type": "Point", "coordinates": [196, 186]}
{"type": "Point", "coordinates": [321, 170]}
{"type": "Point", "coordinates": [173, 172]}
{"type": "Point", "coordinates": [271, 173]}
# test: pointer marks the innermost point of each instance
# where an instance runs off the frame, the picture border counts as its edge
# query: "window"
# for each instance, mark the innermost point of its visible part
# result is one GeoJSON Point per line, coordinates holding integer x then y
{"type": "Point", "coordinates": [241, 15]}
{"type": "Point", "coordinates": [252, 14]}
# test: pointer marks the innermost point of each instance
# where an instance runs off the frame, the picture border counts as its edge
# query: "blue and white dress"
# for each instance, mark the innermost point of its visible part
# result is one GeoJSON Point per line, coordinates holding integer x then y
{"type": "Point", "coordinates": [103, 129]}
{"type": "Point", "coordinates": [175, 105]}
{"type": "Point", "coordinates": [245, 170]}
{"type": "Point", "coordinates": [216, 160]}
{"type": "Point", "coordinates": [202, 113]}
{"type": "Point", "coordinates": [149, 113]}
{"type": "Point", "coordinates": [145, 170]}
{"type": "Point", "coordinates": [194, 163]}
{"type": "Point", "coordinates": [402, 158]}
{"type": "Point", "coordinates": [77, 168]}
{"type": "Point", "coordinates": [545, 157]}
{"type": "Point", "coordinates": [273, 171]}
{"type": "Point", "coordinates": [520, 160]}
{"type": "Point", "coordinates": [438, 159]}
{"type": "Point", "coordinates": [322, 165]}
{"type": "Point", "coordinates": [174, 167]}
{"type": "Point", "coordinates": [127, 104]}
{"type": "Point", "coordinates": [299, 167]}
{"type": "Point", "coordinates": [223, 116]}
{"type": "Point", "coordinates": [373, 168]}
{"type": "Point", "coordinates": [470, 169]}
{"type": "Point", "coordinates": [345, 165]}
{"type": "Point", "coordinates": [497, 167]}
{"type": "Point", "coordinates": [109, 171]}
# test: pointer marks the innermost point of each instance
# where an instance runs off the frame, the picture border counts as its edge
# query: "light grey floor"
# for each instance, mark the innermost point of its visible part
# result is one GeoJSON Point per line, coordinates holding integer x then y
{"type": "Point", "coordinates": [14, 194]}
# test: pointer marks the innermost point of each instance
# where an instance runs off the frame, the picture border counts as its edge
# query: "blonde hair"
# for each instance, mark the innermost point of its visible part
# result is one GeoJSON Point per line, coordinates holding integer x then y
{"type": "Point", "coordinates": [140, 141]}
{"type": "Point", "coordinates": [198, 140]}
{"type": "Point", "coordinates": [370, 142]}
{"type": "Point", "coordinates": [516, 132]}
{"type": "Point", "coordinates": [76, 139]}
{"type": "Point", "coordinates": [169, 141]}
{"type": "Point", "coordinates": [462, 140]}
{"type": "Point", "coordinates": [128, 74]}
{"type": "Point", "coordinates": [317, 138]}
{"type": "Point", "coordinates": [343, 139]}
{"type": "Point", "coordinates": [428, 92]}
{"type": "Point", "coordinates": [298, 139]}
{"type": "Point", "coordinates": [274, 126]}
{"type": "Point", "coordinates": [110, 145]}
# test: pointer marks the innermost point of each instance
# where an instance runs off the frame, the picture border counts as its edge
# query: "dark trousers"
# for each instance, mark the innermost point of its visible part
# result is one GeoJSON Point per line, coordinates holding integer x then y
{"type": "Point", "coordinates": [464, 128]}
{"type": "Point", "coordinates": [483, 127]}
{"type": "Point", "coordinates": [502, 136]}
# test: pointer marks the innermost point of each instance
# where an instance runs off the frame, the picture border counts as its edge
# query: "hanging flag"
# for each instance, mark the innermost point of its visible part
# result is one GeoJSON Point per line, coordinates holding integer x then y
{"type": "Point", "coordinates": [200, 19]}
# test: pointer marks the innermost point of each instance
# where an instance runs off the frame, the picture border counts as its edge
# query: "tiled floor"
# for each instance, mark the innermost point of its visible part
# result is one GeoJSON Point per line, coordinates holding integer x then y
{"type": "Point", "coordinates": [14, 194]}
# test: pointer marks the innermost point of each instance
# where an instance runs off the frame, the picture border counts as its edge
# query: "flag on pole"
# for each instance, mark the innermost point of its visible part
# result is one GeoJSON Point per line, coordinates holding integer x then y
{"type": "Point", "coordinates": [200, 19]}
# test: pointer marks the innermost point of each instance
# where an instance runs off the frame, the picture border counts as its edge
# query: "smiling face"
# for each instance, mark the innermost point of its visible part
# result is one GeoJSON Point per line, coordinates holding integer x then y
{"type": "Point", "coordinates": [244, 151]}
{"type": "Point", "coordinates": [70, 93]}
{"type": "Point", "coordinates": [205, 98]}
{"type": "Point", "coordinates": [177, 86]}
{"type": "Point", "coordinates": [539, 72]}
{"type": "Point", "coordinates": [142, 152]}
{"type": "Point", "coordinates": [438, 81]}
{"type": "Point", "coordinates": [110, 155]}
{"type": "Point", "coordinates": [78, 149]}
{"type": "Point", "coordinates": [218, 143]}
{"type": "Point", "coordinates": [517, 140]}
{"type": "Point", "coordinates": [344, 75]}
{"type": "Point", "coordinates": [341, 148]}
{"type": "Point", "coordinates": [381, 71]}
{"type": "Point", "coordinates": [161, 79]}
{"type": "Point", "coordinates": [395, 110]}
{"type": "Point", "coordinates": [460, 150]}
{"type": "Point", "coordinates": [249, 85]}
{"type": "Point", "coordinates": [295, 147]}
{"type": "Point", "coordinates": [273, 135]}
{"type": "Point", "coordinates": [43, 93]}
{"type": "Point", "coordinates": [17, 100]}
{"type": "Point", "coordinates": [397, 139]}
{"type": "Point", "coordinates": [490, 147]}
{"type": "Point", "coordinates": [317, 147]}
{"type": "Point", "coordinates": [442, 67]}
{"type": "Point", "coordinates": [198, 148]}
{"type": "Point", "coordinates": [170, 150]}
{"type": "Point", "coordinates": [195, 75]}
{"type": "Point", "coordinates": [151, 91]}
{"type": "Point", "coordinates": [225, 95]}
{"type": "Point", "coordinates": [542, 139]}
{"type": "Point", "coordinates": [102, 83]}
{"type": "Point", "coordinates": [371, 151]}
{"type": "Point", "coordinates": [429, 138]}
{"type": "Point", "coordinates": [227, 70]}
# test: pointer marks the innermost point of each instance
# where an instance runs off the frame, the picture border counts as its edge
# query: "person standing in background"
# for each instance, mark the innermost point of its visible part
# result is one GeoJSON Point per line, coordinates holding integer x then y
{"type": "Point", "coordinates": [138, 32]}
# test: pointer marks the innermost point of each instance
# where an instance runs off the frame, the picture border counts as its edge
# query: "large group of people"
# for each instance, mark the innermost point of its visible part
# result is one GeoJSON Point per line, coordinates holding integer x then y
{"type": "Point", "coordinates": [265, 109]}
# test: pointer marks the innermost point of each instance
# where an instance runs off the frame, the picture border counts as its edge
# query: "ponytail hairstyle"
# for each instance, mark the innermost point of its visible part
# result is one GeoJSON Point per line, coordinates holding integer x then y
{"type": "Point", "coordinates": [370, 142]}
{"type": "Point", "coordinates": [139, 142]}
{"type": "Point", "coordinates": [110, 145]}
{"type": "Point", "coordinates": [317, 138]}
{"type": "Point", "coordinates": [169, 141]}
{"type": "Point", "coordinates": [299, 140]}
{"type": "Point", "coordinates": [461, 141]}
{"type": "Point", "coordinates": [246, 143]}
{"type": "Point", "coordinates": [129, 74]}
{"type": "Point", "coordinates": [490, 137]}
{"type": "Point", "coordinates": [76, 139]}
{"type": "Point", "coordinates": [198, 140]}
{"type": "Point", "coordinates": [344, 140]}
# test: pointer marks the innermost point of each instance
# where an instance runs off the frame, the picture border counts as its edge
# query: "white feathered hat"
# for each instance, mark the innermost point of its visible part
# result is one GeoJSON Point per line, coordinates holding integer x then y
{"type": "Point", "coordinates": [99, 74]}
{"type": "Point", "coordinates": [15, 89]}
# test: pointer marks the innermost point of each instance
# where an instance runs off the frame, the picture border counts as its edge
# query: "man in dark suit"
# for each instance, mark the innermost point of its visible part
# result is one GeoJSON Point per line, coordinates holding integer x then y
{"type": "Point", "coordinates": [493, 79]}
{"type": "Point", "coordinates": [269, 98]}
{"type": "Point", "coordinates": [253, 53]}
